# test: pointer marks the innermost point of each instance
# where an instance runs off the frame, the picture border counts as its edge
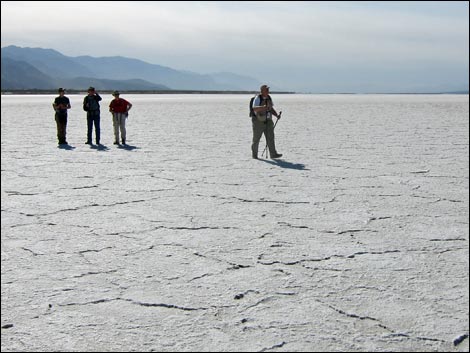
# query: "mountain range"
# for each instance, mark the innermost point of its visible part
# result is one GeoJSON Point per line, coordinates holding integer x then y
{"type": "Point", "coordinates": [39, 68]}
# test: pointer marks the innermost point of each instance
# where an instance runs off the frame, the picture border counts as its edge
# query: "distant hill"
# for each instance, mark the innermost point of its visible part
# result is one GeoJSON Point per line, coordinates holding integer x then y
{"type": "Point", "coordinates": [105, 84]}
{"type": "Point", "coordinates": [126, 68]}
{"type": "Point", "coordinates": [132, 74]}
{"type": "Point", "coordinates": [48, 61]}
{"type": "Point", "coordinates": [21, 75]}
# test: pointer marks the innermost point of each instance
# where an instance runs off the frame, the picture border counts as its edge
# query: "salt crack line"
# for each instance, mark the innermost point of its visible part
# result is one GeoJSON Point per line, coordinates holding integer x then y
{"type": "Point", "coordinates": [293, 226]}
{"type": "Point", "coordinates": [273, 201]}
{"type": "Point", "coordinates": [19, 193]}
{"type": "Point", "coordinates": [90, 273]}
{"type": "Point", "coordinates": [351, 231]}
{"type": "Point", "coordinates": [234, 266]}
{"type": "Point", "coordinates": [378, 219]}
{"type": "Point", "coordinates": [163, 305]}
{"type": "Point", "coordinates": [160, 305]}
{"type": "Point", "coordinates": [262, 200]}
{"type": "Point", "coordinates": [262, 301]}
{"type": "Point", "coordinates": [273, 347]}
{"type": "Point", "coordinates": [352, 256]}
{"type": "Point", "coordinates": [201, 276]}
{"type": "Point", "coordinates": [195, 228]}
{"type": "Point", "coordinates": [287, 224]}
{"type": "Point", "coordinates": [418, 338]}
{"type": "Point", "coordinates": [79, 208]}
{"type": "Point", "coordinates": [32, 252]}
{"type": "Point", "coordinates": [381, 325]}
{"type": "Point", "coordinates": [81, 252]}
{"type": "Point", "coordinates": [421, 171]}
{"type": "Point", "coordinates": [98, 301]}
{"type": "Point", "coordinates": [355, 316]}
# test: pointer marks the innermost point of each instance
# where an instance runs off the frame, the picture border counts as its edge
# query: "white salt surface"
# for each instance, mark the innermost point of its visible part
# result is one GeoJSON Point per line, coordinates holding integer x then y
{"type": "Point", "coordinates": [357, 240]}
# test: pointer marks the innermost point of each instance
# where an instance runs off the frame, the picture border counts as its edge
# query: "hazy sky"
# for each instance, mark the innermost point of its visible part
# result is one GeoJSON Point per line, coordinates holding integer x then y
{"type": "Point", "coordinates": [304, 46]}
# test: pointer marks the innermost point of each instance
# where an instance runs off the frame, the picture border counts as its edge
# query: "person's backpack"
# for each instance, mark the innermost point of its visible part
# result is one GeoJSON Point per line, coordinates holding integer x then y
{"type": "Point", "coordinates": [252, 112]}
{"type": "Point", "coordinates": [90, 103]}
{"type": "Point", "coordinates": [85, 104]}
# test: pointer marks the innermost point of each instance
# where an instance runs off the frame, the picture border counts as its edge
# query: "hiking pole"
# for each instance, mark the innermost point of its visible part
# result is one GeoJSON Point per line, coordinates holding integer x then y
{"type": "Point", "coordinates": [278, 117]}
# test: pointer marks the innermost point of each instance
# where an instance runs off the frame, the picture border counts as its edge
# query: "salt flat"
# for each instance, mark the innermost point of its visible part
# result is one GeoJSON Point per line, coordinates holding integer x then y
{"type": "Point", "coordinates": [357, 240]}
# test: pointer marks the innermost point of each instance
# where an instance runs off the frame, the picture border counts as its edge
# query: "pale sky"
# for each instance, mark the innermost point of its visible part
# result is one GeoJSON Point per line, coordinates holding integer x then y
{"type": "Point", "coordinates": [356, 46]}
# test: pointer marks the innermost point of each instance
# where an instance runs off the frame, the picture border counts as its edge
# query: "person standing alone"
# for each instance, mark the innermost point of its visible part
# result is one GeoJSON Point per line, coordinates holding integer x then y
{"type": "Point", "coordinates": [119, 107]}
{"type": "Point", "coordinates": [92, 106]}
{"type": "Point", "coordinates": [262, 122]}
{"type": "Point", "coordinates": [60, 105]}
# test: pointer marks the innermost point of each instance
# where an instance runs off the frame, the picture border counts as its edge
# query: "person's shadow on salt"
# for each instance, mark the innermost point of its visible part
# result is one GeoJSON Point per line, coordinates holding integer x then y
{"type": "Point", "coordinates": [285, 164]}
{"type": "Point", "coordinates": [127, 147]}
{"type": "Point", "coordinates": [100, 147]}
{"type": "Point", "coordinates": [66, 147]}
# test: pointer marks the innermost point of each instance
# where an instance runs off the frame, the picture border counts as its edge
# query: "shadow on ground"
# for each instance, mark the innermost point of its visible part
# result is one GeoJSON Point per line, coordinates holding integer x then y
{"type": "Point", "coordinates": [66, 147]}
{"type": "Point", "coordinates": [128, 147]}
{"type": "Point", "coordinates": [99, 147]}
{"type": "Point", "coordinates": [285, 164]}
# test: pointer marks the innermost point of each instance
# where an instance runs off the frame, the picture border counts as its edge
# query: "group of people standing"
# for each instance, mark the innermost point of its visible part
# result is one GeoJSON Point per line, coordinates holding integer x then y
{"type": "Point", "coordinates": [261, 112]}
{"type": "Point", "coordinates": [118, 107]}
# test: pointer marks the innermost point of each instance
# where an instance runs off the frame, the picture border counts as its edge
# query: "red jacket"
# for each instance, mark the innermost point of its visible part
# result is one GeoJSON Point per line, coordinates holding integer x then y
{"type": "Point", "coordinates": [118, 105]}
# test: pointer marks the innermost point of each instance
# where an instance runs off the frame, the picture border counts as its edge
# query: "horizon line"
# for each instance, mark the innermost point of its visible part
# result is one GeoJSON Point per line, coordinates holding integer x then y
{"type": "Point", "coordinates": [196, 91]}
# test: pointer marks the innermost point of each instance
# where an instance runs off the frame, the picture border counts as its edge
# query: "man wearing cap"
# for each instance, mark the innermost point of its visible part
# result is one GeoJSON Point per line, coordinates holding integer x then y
{"type": "Point", "coordinates": [119, 107]}
{"type": "Point", "coordinates": [92, 107]}
{"type": "Point", "coordinates": [263, 122]}
{"type": "Point", "coordinates": [60, 105]}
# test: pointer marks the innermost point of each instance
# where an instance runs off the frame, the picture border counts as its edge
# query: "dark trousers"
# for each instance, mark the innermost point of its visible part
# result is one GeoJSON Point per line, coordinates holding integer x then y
{"type": "Point", "coordinates": [260, 127]}
{"type": "Point", "coordinates": [61, 120]}
{"type": "Point", "coordinates": [93, 117]}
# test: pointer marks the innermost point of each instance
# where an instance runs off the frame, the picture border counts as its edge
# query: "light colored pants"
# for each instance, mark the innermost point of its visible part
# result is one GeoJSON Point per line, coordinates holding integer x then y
{"type": "Point", "coordinates": [260, 127]}
{"type": "Point", "coordinates": [119, 122]}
